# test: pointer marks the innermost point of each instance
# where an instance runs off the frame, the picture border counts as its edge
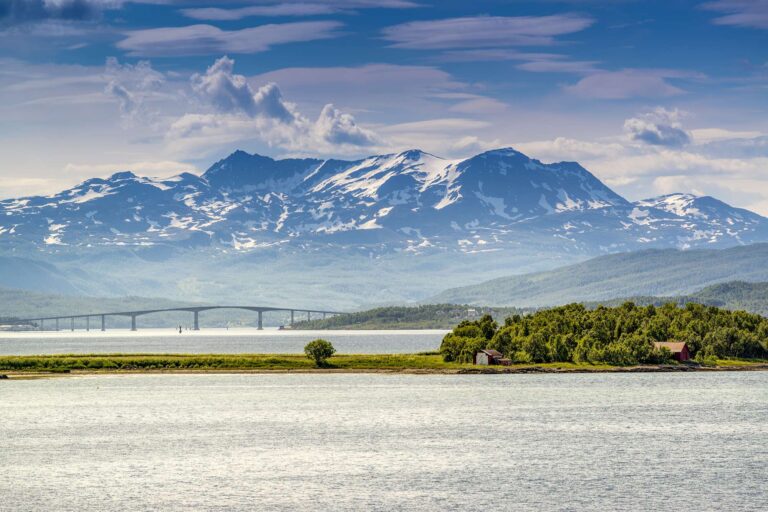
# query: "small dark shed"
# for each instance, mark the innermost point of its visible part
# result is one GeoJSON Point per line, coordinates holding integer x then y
{"type": "Point", "coordinates": [489, 357]}
{"type": "Point", "coordinates": [679, 349]}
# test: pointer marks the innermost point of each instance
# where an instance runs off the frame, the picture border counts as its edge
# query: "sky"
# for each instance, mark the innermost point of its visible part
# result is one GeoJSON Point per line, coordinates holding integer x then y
{"type": "Point", "coordinates": [653, 97]}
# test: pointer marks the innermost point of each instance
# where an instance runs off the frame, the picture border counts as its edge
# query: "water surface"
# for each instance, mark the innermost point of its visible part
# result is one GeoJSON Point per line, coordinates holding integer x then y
{"type": "Point", "coordinates": [386, 442]}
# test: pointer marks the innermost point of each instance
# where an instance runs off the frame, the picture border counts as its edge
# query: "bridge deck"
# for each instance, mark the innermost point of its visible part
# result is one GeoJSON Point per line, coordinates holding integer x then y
{"type": "Point", "coordinates": [189, 309]}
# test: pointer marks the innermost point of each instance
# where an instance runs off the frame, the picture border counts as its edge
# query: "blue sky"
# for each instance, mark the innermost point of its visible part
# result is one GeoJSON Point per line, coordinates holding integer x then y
{"type": "Point", "coordinates": [653, 97]}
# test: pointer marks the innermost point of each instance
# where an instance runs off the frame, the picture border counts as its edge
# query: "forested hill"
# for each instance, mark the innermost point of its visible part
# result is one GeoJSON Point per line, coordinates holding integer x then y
{"type": "Point", "coordinates": [645, 273]}
{"type": "Point", "coordinates": [432, 316]}
{"type": "Point", "coordinates": [624, 335]}
{"type": "Point", "coordinates": [735, 295]}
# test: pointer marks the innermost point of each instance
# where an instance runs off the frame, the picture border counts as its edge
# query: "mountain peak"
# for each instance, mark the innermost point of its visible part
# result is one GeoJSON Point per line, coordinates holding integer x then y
{"type": "Point", "coordinates": [504, 152]}
{"type": "Point", "coordinates": [122, 176]}
{"type": "Point", "coordinates": [415, 154]}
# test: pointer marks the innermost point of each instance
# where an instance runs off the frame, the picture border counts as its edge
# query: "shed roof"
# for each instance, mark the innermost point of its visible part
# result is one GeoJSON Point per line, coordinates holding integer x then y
{"type": "Point", "coordinates": [673, 346]}
{"type": "Point", "coordinates": [493, 353]}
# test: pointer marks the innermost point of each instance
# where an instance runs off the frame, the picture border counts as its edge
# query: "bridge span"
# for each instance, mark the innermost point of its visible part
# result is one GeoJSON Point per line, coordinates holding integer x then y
{"type": "Point", "coordinates": [195, 310]}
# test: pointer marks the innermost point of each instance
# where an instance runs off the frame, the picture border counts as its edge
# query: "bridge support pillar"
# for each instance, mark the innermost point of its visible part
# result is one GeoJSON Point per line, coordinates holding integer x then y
{"type": "Point", "coordinates": [42, 323]}
{"type": "Point", "coordinates": [197, 320]}
{"type": "Point", "coordinates": [261, 322]}
{"type": "Point", "coordinates": [309, 316]}
{"type": "Point", "coordinates": [292, 317]}
{"type": "Point", "coordinates": [323, 316]}
{"type": "Point", "coordinates": [72, 324]}
{"type": "Point", "coordinates": [87, 324]}
{"type": "Point", "coordinates": [133, 322]}
{"type": "Point", "coordinates": [57, 324]}
{"type": "Point", "coordinates": [103, 323]}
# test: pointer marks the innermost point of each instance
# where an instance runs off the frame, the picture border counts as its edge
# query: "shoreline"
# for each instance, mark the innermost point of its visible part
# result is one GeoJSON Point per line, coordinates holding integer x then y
{"type": "Point", "coordinates": [49, 366]}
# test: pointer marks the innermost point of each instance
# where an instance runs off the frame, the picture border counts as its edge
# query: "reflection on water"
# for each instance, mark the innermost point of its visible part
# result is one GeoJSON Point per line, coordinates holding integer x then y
{"type": "Point", "coordinates": [219, 341]}
{"type": "Point", "coordinates": [385, 442]}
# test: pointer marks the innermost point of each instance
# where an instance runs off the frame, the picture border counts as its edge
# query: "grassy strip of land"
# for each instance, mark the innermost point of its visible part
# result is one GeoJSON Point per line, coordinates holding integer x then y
{"type": "Point", "coordinates": [425, 362]}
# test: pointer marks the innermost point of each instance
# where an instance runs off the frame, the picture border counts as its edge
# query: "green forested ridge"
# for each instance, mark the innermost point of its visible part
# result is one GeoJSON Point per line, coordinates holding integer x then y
{"type": "Point", "coordinates": [736, 295]}
{"type": "Point", "coordinates": [430, 316]}
{"type": "Point", "coordinates": [622, 335]}
{"type": "Point", "coordinates": [644, 273]}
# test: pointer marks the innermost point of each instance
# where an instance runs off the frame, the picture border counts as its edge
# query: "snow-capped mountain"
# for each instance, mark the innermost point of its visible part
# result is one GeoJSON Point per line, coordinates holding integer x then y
{"type": "Point", "coordinates": [413, 201]}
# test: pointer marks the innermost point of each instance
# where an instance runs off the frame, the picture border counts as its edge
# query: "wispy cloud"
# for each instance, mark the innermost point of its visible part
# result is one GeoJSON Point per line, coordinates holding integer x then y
{"type": "Point", "coordinates": [740, 13]}
{"type": "Point", "coordinates": [484, 31]}
{"type": "Point", "coordinates": [207, 39]}
{"type": "Point", "coordinates": [20, 11]}
{"type": "Point", "coordinates": [295, 8]}
{"type": "Point", "coordinates": [131, 84]}
{"type": "Point", "coordinates": [630, 83]}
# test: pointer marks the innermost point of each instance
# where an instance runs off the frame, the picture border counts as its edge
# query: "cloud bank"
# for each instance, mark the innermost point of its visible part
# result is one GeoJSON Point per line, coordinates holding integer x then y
{"type": "Point", "coordinates": [207, 39]}
{"type": "Point", "coordinates": [238, 111]}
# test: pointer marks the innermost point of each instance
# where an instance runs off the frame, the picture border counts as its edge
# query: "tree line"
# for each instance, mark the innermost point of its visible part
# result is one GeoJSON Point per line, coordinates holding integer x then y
{"type": "Point", "coordinates": [621, 335]}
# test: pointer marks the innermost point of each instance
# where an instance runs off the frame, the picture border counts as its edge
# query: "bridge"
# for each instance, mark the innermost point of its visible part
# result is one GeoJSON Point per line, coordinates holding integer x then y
{"type": "Point", "coordinates": [195, 310]}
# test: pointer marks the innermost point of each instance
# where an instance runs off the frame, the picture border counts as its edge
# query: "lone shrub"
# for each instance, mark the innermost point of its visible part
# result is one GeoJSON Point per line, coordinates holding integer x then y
{"type": "Point", "coordinates": [319, 351]}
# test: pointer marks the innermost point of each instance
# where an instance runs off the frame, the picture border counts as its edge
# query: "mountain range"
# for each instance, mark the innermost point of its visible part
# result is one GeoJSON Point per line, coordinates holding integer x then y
{"type": "Point", "coordinates": [411, 201]}
{"type": "Point", "coordinates": [334, 232]}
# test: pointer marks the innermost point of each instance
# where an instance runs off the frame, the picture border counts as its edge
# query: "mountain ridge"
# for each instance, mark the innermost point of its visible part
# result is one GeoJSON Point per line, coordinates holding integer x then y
{"type": "Point", "coordinates": [418, 201]}
{"type": "Point", "coordinates": [653, 272]}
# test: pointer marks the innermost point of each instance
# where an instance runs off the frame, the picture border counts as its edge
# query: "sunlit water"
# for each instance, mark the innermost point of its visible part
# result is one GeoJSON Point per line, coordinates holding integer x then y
{"type": "Point", "coordinates": [385, 442]}
{"type": "Point", "coordinates": [218, 341]}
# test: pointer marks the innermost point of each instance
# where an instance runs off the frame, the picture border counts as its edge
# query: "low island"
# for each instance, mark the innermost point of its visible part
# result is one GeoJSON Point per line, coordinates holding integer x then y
{"type": "Point", "coordinates": [572, 338]}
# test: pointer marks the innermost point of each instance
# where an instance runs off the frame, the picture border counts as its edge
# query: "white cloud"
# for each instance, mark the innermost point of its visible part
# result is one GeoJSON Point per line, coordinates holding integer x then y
{"type": "Point", "coordinates": [660, 127]}
{"type": "Point", "coordinates": [295, 8]}
{"type": "Point", "coordinates": [563, 148]}
{"type": "Point", "coordinates": [336, 127]}
{"type": "Point", "coordinates": [244, 113]}
{"type": "Point", "coordinates": [161, 168]}
{"type": "Point", "coordinates": [580, 67]}
{"type": "Point", "coordinates": [131, 84]}
{"type": "Point", "coordinates": [639, 171]}
{"type": "Point", "coordinates": [20, 11]}
{"type": "Point", "coordinates": [705, 135]}
{"type": "Point", "coordinates": [449, 137]}
{"type": "Point", "coordinates": [741, 13]}
{"type": "Point", "coordinates": [484, 31]}
{"type": "Point", "coordinates": [207, 39]}
{"type": "Point", "coordinates": [226, 91]}
{"type": "Point", "coordinates": [629, 83]}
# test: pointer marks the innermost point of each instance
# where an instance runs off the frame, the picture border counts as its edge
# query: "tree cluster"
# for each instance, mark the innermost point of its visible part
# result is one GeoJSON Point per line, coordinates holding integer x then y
{"type": "Point", "coordinates": [622, 335]}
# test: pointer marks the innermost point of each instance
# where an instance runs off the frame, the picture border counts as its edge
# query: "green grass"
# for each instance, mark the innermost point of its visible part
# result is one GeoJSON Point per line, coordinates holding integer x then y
{"type": "Point", "coordinates": [427, 361]}
{"type": "Point", "coordinates": [741, 362]}
{"type": "Point", "coordinates": [133, 362]}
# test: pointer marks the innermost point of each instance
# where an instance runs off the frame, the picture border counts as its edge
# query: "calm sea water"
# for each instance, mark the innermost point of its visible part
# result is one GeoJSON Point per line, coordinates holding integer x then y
{"type": "Point", "coordinates": [385, 442]}
{"type": "Point", "coordinates": [216, 341]}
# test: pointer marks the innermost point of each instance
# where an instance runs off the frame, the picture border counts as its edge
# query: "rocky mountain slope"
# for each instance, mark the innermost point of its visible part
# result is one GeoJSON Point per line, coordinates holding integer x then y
{"type": "Point", "coordinates": [341, 234]}
{"type": "Point", "coordinates": [411, 201]}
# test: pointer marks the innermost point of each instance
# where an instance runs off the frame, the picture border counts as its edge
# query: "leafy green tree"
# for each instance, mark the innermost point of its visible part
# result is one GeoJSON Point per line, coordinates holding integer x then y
{"type": "Point", "coordinates": [319, 351]}
{"type": "Point", "coordinates": [621, 335]}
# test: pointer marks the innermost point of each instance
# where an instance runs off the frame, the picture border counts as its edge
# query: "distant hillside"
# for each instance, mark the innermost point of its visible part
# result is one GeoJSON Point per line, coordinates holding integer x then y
{"type": "Point", "coordinates": [432, 316]}
{"type": "Point", "coordinates": [735, 295]}
{"type": "Point", "coordinates": [644, 273]}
